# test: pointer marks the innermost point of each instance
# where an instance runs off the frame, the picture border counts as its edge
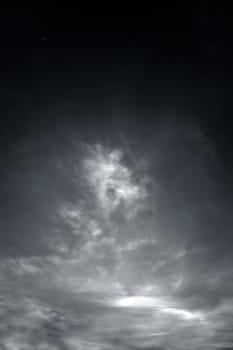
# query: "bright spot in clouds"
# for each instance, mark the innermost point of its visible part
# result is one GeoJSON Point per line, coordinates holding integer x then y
{"type": "Point", "coordinates": [157, 304]}
{"type": "Point", "coordinates": [110, 180]}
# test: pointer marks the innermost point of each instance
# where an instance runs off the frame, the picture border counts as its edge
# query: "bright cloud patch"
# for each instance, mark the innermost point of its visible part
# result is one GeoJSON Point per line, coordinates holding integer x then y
{"type": "Point", "coordinates": [111, 180]}
{"type": "Point", "coordinates": [158, 304]}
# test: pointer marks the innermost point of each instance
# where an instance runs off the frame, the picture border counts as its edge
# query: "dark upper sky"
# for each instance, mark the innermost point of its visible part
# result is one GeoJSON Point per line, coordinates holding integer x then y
{"type": "Point", "coordinates": [177, 59]}
{"type": "Point", "coordinates": [116, 179]}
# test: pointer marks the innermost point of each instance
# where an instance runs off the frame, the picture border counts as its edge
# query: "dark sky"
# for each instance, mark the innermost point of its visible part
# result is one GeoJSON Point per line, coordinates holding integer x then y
{"type": "Point", "coordinates": [116, 179]}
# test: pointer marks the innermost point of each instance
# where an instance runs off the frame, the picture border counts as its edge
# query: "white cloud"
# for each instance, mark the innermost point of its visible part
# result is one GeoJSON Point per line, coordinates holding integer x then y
{"type": "Point", "coordinates": [157, 303]}
{"type": "Point", "coordinates": [111, 180]}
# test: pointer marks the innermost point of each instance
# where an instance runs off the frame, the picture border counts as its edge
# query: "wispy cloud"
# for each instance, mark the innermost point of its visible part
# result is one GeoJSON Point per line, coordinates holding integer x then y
{"type": "Point", "coordinates": [126, 266]}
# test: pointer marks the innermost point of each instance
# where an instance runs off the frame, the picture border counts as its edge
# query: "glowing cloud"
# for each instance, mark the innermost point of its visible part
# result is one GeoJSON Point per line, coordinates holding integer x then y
{"type": "Point", "coordinates": [162, 306]}
{"type": "Point", "coordinates": [110, 180]}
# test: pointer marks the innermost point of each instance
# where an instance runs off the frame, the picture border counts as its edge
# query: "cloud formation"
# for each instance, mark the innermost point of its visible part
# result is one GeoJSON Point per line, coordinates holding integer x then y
{"type": "Point", "coordinates": [111, 180]}
{"type": "Point", "coordinates": [132, 259]}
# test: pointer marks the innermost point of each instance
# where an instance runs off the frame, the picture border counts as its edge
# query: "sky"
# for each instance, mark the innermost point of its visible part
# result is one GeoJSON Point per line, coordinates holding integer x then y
{"type": "Point", "coordinates": [116, 181]}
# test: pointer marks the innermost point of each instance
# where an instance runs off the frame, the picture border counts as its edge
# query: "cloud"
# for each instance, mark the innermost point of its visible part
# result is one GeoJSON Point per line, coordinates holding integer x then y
{"type": "Point", "coordinates": [111, 180]}
{"type": "Point", "coordinates": [129, 263]}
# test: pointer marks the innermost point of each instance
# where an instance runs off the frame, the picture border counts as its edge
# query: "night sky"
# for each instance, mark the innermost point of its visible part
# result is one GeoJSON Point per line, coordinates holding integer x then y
{"type": "Point", "coordinates": [116, 167]}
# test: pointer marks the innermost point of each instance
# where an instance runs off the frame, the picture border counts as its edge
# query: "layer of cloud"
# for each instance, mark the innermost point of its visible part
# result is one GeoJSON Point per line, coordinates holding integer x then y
{"type": "Point", "coordinates": [125, 257]}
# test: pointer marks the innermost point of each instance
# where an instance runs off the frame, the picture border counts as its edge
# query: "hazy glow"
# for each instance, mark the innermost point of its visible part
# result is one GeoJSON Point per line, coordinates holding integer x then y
{"type": "Point", "coordinates": [157, 303]}
{"type": "Point", "coordinates": [187, 315]}
{"type": "Point", "coordinates": [110, 179]}
{"type": "Point", "coordinates": [136, 301]}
